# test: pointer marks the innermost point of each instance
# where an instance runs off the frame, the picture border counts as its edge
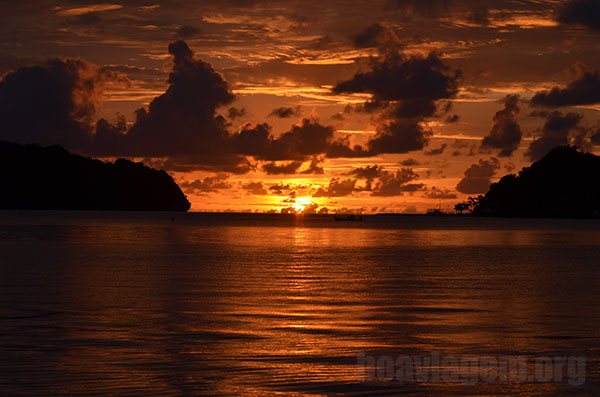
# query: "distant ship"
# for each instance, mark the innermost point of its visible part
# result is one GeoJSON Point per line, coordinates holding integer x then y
{"type": "Point", "coordinates": [349, 218]}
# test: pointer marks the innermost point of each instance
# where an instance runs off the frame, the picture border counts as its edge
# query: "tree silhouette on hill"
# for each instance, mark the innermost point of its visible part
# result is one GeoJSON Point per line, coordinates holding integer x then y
{"type": "Point", "coordinates": [34, 177]}
{"type": "Point", "coordinates": [563, 184]}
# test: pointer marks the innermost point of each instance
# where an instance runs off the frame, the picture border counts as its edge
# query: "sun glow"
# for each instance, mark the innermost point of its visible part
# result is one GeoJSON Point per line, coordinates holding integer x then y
{"type": "Point", "coordinates": [301, 203]}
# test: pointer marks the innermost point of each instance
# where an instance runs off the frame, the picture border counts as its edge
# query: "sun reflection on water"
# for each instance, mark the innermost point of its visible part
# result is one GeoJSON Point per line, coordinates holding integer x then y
{"type": "Point", "coordinates": [254, 310]}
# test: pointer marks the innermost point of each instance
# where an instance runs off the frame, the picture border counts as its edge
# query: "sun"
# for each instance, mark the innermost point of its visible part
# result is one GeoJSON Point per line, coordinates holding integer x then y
{"type": "Point", "coordinates": [301, 204]}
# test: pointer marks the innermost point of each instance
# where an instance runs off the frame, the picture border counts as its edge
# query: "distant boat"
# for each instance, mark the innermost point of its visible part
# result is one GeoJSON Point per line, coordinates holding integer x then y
{"type": "Point", "coordinates": [349, 218]}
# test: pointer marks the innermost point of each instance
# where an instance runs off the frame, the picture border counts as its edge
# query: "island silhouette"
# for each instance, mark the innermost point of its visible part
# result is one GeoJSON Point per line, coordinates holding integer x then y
{"type": "Point", "coordinates": [51, 178]}
{"type": "Point", "coordinates": [563, 184]}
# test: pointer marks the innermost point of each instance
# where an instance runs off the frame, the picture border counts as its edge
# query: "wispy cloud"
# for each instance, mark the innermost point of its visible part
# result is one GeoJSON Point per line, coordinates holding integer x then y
{"type": "Point", "coordinates": [88, 9]}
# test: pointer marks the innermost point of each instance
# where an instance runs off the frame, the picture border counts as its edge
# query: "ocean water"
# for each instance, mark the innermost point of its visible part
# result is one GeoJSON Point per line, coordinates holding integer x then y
{"type": "Point", "coordinates": [133, 304]}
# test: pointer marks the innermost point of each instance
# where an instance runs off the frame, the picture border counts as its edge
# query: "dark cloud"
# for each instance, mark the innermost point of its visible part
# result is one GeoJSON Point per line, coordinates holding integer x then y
{"type": "Point", "coordinates": [396, 183]}
{"type": "Point", "coordinates": [399, 78]}
{"type": "Point", "coordinates": [338, 116]}
{"type": "Point", "coordinates": [595, 140]}
{"type": "Point", "coordinates": [580, 12]}
{"type": "Point", "coordinates": [255, 188]}
{"type": "Point", "coordinates": [207, 185]}
{"type": "Point", "coordinates": [404, 91]}
{"type": "Point", "coordinates": [314, 167]}
{"type": "Point", "coordinates": [218, 162]}
{"type": "Point", "coordinates": [369, 37]}
{"type": "Point", "coordinates": [285, 112]}
{"type": "Point", "coordinates": [183, 120]}
{"type": "Point", "coordinates": [236, 113]}
{"type": "Point", "coordinates": [506, 134]}
{"type": "Point", "coordinates": [279, 188]}
{"type": "Point", "coordinates": [436, 151]}
{"type": "Point", "coordinates": [559, 130]}
{"type": "Point", "coordinates": [386, 183]}
{"type": "Point", "coordinates": [409, 163]}
{"type": "Point", "coordinates": [337, 188]}
{"type": "Point", "coordinates": [584, 90]}
{"type": "Point", "coordinates": [253, 140]}
{"type": "Point", "coordinates": [310, 208]}
{"type": "Point", "coordinates": [109, 135]}
{"type": "Point", "coordinates": [478, 177]}
{"type": "Point", "coordinates": [400, 136]}
{"type": "Point", "coordinates": [481, 14]}
{"type": "Point", "coordinates": [282, 169]}
{"type": "Point", "coordinates": [341, 148]}
{"type": "Point", "coordinates": [453, 119]}
{"type": "Point", "coordinates": [302, 141]}
{"type": "Point", "coordinates": [182, 124]}
{"type": "Point", "coordinates": [412, 108]}
{"type": "Point", "coordinates": [53, 103]}
{"type": "Point", "coordinates": [188, 111]}
{"type": "Point", "coordinates": [440, 194]}
{"type": "Point", "coordinates": [305, 139]}
{"type": "Point", "coordinates": [463, 148]}
{"type": "Point", "coordinates": [368, 173]}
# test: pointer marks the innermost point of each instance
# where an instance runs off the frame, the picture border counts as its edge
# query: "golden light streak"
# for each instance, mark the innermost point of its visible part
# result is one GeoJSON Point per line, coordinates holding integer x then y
{"type": "Point", "coordinates": [321, 61]}
{"type": "Point", "coordinates": [135, 94]}
{"type": "Point", "coordinates": [357, 132]}
{"type": "Point", "coordinates": [326, 58]}
{"type": "Point", "coordinates": [457, 136]}
{"type": "Point", "coordinates": [589, 107]}
{"type": "Point", "coordinates": [321, 93]}
{"type": "Point", "coordinates": [88, 9]}
{"type": "Point", "coordinates": [524, 22]}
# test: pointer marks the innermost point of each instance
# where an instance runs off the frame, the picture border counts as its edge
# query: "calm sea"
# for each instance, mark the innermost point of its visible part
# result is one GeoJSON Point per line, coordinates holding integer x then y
{"type": "Point", "coordinates": [138, 304]}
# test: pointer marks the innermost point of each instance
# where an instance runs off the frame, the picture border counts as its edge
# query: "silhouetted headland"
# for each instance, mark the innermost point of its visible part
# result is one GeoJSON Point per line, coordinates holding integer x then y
{"type": "Point", "coordinates": [563, 184]}
{"type": "Point", "coordinates": [34, 177]}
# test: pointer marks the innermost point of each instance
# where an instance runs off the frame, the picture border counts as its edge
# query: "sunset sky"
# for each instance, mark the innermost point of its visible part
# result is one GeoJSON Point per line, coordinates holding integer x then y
{"type": "Point", "coordinates": [315, 106]}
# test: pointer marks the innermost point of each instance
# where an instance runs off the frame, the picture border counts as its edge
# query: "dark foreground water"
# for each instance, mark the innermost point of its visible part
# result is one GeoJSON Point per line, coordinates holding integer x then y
{"type": "Point", "coordinates": [134, 304]}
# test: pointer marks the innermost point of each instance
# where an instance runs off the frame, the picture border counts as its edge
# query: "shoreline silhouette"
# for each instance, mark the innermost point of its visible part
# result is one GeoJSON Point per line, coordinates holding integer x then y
{"type": "Point", "coordinates": [563, 184]}
{"type": "Point", "coordinates": [51, 178]}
